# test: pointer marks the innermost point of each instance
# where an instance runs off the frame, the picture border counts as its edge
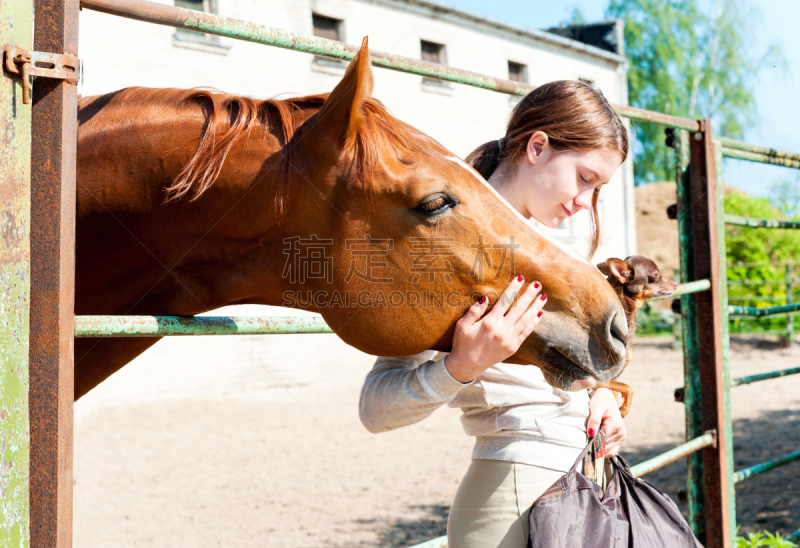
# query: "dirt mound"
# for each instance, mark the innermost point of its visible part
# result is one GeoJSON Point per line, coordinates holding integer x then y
{"type": "Point", "coordinates": [656, 235]}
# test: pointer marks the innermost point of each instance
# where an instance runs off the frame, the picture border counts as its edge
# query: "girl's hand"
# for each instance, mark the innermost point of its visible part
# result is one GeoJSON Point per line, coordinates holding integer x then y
{"type": "Point", "coordinates": [480, 342]}
{"type": "Point", "coordinates": [604, 411]}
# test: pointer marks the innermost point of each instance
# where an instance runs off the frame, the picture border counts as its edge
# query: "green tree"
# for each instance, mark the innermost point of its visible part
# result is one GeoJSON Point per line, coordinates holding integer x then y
{"type": "Point", "coordinates": [575, 18]}
{"type": "Point", "coordinates": [691, 63]}
{"type": "Point", "coordinates": [784, 195]}
{"type": "Point", "coordinates": [758, 255]}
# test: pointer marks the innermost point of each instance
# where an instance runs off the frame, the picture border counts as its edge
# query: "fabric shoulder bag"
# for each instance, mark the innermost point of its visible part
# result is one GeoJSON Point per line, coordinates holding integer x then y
{"type": "Point", "coordinates": [574, 512]}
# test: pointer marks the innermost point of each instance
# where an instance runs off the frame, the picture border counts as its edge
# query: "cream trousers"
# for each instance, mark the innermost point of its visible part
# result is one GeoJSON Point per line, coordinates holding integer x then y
{"type": "Point", "coordinates": [492, 503]}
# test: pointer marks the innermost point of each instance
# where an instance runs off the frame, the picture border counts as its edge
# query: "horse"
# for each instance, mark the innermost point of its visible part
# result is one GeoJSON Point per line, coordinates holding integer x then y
{"type": "Point", "coordinates": [190, 200]}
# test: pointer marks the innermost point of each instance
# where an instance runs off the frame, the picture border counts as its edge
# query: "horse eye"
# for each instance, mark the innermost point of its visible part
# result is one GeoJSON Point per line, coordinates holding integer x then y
{"type": "Point", "coordinates": [436, 204]}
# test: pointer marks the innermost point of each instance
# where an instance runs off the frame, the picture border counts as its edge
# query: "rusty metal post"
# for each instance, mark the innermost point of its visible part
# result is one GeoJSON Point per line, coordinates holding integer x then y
{"type": "Point", "coordinates": [54, 140]}
{"type": "Point", "coordinates": [715, 409]}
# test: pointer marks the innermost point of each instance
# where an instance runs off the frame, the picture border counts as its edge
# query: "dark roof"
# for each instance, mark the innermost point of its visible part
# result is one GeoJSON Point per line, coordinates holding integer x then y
{"type": "Point", "coordinates": [606, 35]}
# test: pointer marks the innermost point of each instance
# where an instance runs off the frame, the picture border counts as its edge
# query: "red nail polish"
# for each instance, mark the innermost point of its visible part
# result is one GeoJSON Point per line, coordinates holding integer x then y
{"type": "Point", "coordinates": [539, 315]}
{"type": "Point", "coordinates": [520, 278]}
{"type": "Point", "coordinates": [536, 285]}
{"type": "Point", "coordinates": [482, 299]}
{"type": "Point", "coordinates": [591, 432]}
{"type": "Point", "coordinates": [544, 296]}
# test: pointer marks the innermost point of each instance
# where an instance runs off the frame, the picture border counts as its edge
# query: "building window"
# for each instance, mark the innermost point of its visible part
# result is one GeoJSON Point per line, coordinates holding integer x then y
{"type": "Point", "coordinates": [434, 53]}
{"type": "Point", "coordinates": [332, 29]}
{"type": "Point", "coordinates": [517, 72]}
{"type": "Point", "coordinates": [193, 37]}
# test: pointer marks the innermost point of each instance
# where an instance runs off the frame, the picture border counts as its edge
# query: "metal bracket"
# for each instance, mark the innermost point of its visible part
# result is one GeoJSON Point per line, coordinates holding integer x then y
{"type": "Point", "coordinates": [46, 65]}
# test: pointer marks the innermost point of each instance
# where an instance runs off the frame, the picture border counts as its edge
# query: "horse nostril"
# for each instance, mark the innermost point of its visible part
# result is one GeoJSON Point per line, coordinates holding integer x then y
{"type": "Point", "coordinates": [618, 329]}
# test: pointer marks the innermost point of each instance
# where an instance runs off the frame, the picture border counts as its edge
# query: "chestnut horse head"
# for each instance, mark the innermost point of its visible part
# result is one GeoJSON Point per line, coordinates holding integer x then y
{"type": "Point", "coordinates": [192, 200]}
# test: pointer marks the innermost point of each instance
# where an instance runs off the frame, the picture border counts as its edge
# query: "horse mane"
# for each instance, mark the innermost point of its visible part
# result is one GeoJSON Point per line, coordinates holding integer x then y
{"type": "Point", "coordinates": [230, 118]}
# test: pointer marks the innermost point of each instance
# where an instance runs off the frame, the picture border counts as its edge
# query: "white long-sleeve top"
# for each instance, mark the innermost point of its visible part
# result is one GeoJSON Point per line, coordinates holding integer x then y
{"type": "Point", "coordinates": [510, 409]}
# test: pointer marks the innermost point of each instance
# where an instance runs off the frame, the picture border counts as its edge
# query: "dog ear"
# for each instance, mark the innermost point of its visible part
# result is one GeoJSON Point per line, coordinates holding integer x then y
{"type": "Point", "coordinates": [617, 268]}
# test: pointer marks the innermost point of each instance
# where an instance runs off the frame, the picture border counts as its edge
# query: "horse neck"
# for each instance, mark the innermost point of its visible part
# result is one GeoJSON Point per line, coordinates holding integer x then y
{"type": "Point", "coordinates": [206, 235]}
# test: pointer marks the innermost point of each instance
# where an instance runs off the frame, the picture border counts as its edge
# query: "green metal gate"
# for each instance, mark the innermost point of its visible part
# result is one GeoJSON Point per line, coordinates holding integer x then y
{"type": "Point", "coordinates": [48, 522]}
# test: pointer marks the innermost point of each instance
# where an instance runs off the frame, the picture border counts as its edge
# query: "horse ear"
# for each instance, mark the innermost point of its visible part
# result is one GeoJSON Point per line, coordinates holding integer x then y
{"type": "Point", "coordinates": [617, 268]}
{"type": "Point", "coordinates": [342, 112]}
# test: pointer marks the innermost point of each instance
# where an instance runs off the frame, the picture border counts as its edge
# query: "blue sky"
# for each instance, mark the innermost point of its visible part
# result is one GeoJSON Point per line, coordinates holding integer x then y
{"type": "Point", "coordinates": [777, 91]}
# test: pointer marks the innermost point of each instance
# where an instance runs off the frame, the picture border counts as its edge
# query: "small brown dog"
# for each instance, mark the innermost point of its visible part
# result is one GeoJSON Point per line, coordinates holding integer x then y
{"type": "Point", "coordinates": [635, 280]}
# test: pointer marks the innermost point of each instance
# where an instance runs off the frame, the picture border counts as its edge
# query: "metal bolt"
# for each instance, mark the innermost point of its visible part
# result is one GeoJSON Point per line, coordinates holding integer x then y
{"type": "Point", "coordinates": [679, 394]}
{"type": "Point", "coordinates": [672, 211]}
{"type": "Point", "coordinates": [670, 139]}
{"type": "Point", "coordinates": [683, 497]}
{"type": "Point", "coordinates": [676, 306]}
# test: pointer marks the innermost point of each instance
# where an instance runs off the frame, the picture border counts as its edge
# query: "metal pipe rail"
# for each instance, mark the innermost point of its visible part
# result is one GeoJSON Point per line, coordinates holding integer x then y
{"type": "Point", "coordinates": [784, 159]}
{"type": "Point", "coordinates": [764, 151]}
{"type": "Point", "coordinates": [160, 326]}
{"type": "Point", "coordinates": [440, 542]}
{"type": "Point", "coordinates": [762, 263]}
{"type": "Point", "coordinates": [761, 312]}
{"type": "Point", "coordinates": [692, 287]}
{"type": "Point", "coordinates": [687, 288]}
{"type": "Point", "coordinates": [760, 282]}
{"type": "Point", "coordinates": [759, 223]}
{"type": "Point", "coordinates": [706, 440]}
{"type": "Point", "coordinates": [748, 473]}
{"type": "Point", "coordinates": [757, 298]}
{"type": "Point", "coordinates": [152, 12]}
{"type": "Point", "coordinates": [748, 379]}
{"type": "Point", "coordinates": [765, 376]}
{"type": "Point", "coordinates": [165, 326]}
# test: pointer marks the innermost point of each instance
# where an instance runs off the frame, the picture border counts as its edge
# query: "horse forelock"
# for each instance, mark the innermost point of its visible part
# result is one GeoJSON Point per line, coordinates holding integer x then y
{"type": "Point", "coordinates": [379, 134]}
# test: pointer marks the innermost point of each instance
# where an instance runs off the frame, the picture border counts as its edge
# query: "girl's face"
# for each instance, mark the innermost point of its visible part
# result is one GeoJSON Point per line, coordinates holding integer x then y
{"type": "Point", "coordinates": [552, 186]}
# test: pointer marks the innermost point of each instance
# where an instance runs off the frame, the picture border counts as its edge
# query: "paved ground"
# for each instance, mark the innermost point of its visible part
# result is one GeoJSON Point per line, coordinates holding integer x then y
{"type": "Point", "coordinates": [293, 467]}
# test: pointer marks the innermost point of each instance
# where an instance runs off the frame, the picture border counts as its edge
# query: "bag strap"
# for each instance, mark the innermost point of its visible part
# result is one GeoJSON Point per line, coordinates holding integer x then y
{"type": "Point", "coordinates": [622, 464]}
{"type": "Point", "coordinates": [595, 443]}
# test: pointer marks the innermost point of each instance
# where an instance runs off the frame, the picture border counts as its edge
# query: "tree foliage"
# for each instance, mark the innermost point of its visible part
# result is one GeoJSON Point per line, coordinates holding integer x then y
{"type": "Point", "coordinates": [764, 254]}
{"type": "Point", "coordinates": [692, 63]}
{"type": "Point", "coordinates": [784, 196]}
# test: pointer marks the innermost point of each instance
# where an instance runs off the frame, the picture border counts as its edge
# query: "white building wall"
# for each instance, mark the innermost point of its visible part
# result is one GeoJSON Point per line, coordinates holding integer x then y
{"type": "Point", "coordinates": [118, 53]}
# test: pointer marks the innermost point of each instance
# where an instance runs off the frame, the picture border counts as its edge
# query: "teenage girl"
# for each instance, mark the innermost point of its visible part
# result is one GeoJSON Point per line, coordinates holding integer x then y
{"type": "Point", "coordinates": [562, 144]}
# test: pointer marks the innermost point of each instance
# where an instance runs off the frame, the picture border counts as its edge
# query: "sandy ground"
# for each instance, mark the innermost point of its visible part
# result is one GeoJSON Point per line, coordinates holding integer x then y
{"type": "Point", "coordinates": [293, 467]}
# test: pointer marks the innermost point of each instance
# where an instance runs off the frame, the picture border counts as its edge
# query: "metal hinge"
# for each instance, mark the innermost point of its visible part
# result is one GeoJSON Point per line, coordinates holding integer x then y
{"type": "Point", "coordinates": [45, 65]}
